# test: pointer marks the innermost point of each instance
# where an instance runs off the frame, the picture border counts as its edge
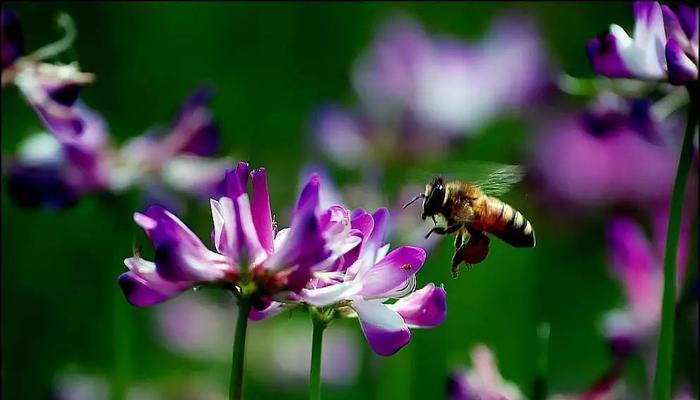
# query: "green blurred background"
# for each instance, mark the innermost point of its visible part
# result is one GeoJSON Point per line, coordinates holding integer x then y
{"type": "Point", "coordinates": [271, 64]}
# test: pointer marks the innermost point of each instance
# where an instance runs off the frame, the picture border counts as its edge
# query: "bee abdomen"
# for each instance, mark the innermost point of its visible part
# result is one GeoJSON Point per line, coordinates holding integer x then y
{"type": "Point", "coordinates": [510, 225]}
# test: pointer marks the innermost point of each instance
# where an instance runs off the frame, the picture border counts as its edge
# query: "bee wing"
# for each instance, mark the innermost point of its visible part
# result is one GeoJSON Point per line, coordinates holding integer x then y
{"type": "Point", "coordinates": [493, 178]}
{"type": "Point", "coordinates": [500, 179]}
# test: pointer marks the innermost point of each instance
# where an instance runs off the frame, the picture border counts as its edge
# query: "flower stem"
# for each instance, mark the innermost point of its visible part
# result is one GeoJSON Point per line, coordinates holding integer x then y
{"type": "Point", "coordinates": [236, 386]}
{"type": "Point", "coordinates": [122, 346]}
{"type": "Point", "coordinates": [316, 348]}
{"type": "Point", "coordinates": [664, 356]}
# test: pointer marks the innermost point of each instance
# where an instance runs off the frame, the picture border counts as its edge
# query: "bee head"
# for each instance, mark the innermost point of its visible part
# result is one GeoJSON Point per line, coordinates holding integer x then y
{"type": "Point", "coordinates": [434, 197]}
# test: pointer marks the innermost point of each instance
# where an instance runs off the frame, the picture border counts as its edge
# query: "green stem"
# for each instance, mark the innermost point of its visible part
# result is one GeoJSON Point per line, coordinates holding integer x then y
{"type": "Point", "coordinates": [122, 346]}
{"type": "Point", "coordinates": [316, 348]}
{"type": "Point", "coordinates": [664, 356]}
{"type": "Point", "coordinates": [236, 386]}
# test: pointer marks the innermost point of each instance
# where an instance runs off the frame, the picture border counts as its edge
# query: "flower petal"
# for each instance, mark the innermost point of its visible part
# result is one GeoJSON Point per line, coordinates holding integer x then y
{"type": "Point", "coordinates": [40, 186]}
{"type": "Point", "coordinates": [143, 287]}
{"type": "Point", "coordinates": [424, 308]}
{"type": "Point", "coordinates": [605, 57]}
{"type": "Point", "coordinates": [392, 273]}
{"type": "Point", "coordinates": [636, 266]}
{"type": "Point", "coordinates": [384, 329]}
{"type": "Point", "coordinates": [681, 69]}
{"type": "Point", "coordinates": [309, 196]}
{"type": "Point", "coordinates": [271, 310]}
{"type": "Point", "coordinates": [340, 135]}
{"type": "Point", "coordinates": [260, 207]}
{"type": "Point", "coordinates": [332, 294]}
{"type": "Point", "coordinates": [180, 255]}
{"type": "Point", "coordinates": [195, 131]}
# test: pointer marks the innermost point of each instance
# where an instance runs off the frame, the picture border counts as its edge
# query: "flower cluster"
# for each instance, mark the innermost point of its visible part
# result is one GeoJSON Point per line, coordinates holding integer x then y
{"type": "Point", "coordinates": [75, 155]}
{"type": "Point", "coordinates": [328, 257]}
{"type": "Point", "coordinates": [418, 94]}
{"type": "Point", "coordinates": [664, 45]}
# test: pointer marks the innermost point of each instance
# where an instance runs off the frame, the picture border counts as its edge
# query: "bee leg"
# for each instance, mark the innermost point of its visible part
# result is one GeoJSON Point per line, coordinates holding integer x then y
{"type": "Point", "coordinates": [443, 231]}
{"type": "Point", "coordinates": [458, 241]}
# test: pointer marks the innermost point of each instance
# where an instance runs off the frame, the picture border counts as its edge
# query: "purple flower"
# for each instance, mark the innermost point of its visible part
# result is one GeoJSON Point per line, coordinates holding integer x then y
{"type": "Point", "coordinates": [418, 93]}
{"type": "Point", "coordinates": [56, 170]}
{"type": "Point", "coordinates": [369, 275]}
{"type": "Point", "coordinates": [664, 46]}
{"type": "Point", "coordinates": [249, 251]}
{"type": "Point", "coordinates": [610, 154]}
{"type": "Point", "coordinates": [179, 158]}
{"type": "Point", "coordinates": [637, 263]}
{"type": "Point", "coordinates": [483, 381]}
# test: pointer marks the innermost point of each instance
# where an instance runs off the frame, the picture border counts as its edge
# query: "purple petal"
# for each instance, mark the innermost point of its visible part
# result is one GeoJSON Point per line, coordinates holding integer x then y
{"type": "Point", "coordinates": [424, 308]}
{"type": "Point", "coordinates": [12, 41]}
{"type": "Point", "coordinates": [143, 287]}
{"type": "Point", "coordinates": [260, 207]}
{"type": "Point", "coordinates": [605, 57]}
{"type": "Point", "coordinates": [681, 69]}
{"type": "Point", "coordinates": [236, 181]}
{"type": "Point", "coordinates": [180, 255]}
{"type": "Point", "coordinates": [271, 310]}
{"type": "Point", "coordinates": [309, 196]}
{"type": "Point", "coordinates": [384, 329]}
{"type": "Point", "coordinates": [40, 186]}
{"type": "Point", "coordinates": [688, 17]}
{"type": "Point", "coordinates": [635, 264]}
{"type": "Point", "coordinates": [392, 273]}
{"type": "Point", "coordinates": [303, 249]}
{"type": "Point", "coordinates": [340, 135]}
{"type": "Point", "coordinates": [194, 127]}
{"type": "Point", "coordinates": [674, 28]}
{"type": "Point", "coordinates": [328, 193]}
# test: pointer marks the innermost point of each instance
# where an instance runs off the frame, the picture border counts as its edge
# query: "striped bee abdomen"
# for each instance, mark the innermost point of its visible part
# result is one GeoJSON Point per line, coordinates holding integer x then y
{"type": "Point", "coordinates": [508, 224]}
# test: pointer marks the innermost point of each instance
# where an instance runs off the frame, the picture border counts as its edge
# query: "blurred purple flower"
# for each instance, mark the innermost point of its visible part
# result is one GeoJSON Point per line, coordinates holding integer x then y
{"type": "Point", "coordinates": [483, 381]}
{"type": "Point", "coordinates": [664, 45]}
{"type": "Point", "coordinates": [637, 263]}
{"type": "Point", "coordinates": [247, 247]}
{"type": "Point", "coordinates": [418, 94]}
{"type": "Point", "coordinates": [195, 327]}
{"type": "Point", "coordinates": [289, 355]}
{"type": "Point", "coordinates": [180, 157]}
{"type": "Point", "coordinates": [56, 170]}
{"type": "Point", "coordinates": [614, 152]}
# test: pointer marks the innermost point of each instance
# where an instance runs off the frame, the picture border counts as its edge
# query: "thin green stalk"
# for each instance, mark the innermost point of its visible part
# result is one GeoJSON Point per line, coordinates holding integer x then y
{"type": "Point", "coordinates": [122, 346]}
{"type": "Point", "coordinates": [320, 325]}
{"type": "Point", "coordinates": [236, 386]}
{"type": "Point", "coordinates": [664, 356]}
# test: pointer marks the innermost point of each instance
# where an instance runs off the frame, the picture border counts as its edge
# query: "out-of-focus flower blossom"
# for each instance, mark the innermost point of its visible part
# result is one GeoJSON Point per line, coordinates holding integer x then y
{"type": "Point", "coordinates": [83, 386]}
{"type": "Point", "coordinates": [614, 152]}
{"type": "Point", "coordinates": [289, 355]}
{"type": "Point", "coordinates": [483, 381]}
{"type": "Point", "coordinates": [194, 327]}
{"type": "Point", "coordinates": [85, 161]}
{"type": "Point", "coordinates": [418, 94]}
{"type": "Point", "coordinates": [637, 263]}
{"type": "Point", "coordinates": [179, 157]}
{"type": "Point", "coordinates": [248, 248]}
{"type": "Point", "coordinates": [664, 45]}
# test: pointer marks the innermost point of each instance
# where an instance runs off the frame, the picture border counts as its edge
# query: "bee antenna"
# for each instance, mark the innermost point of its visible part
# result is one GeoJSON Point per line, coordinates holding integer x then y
{"type": "Point", "coordinates": [413, 200]}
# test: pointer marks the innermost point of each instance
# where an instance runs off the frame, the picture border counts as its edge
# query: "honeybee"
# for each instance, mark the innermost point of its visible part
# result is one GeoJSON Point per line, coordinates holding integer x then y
{"type": "Point", "coordinates": [470, 209]}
